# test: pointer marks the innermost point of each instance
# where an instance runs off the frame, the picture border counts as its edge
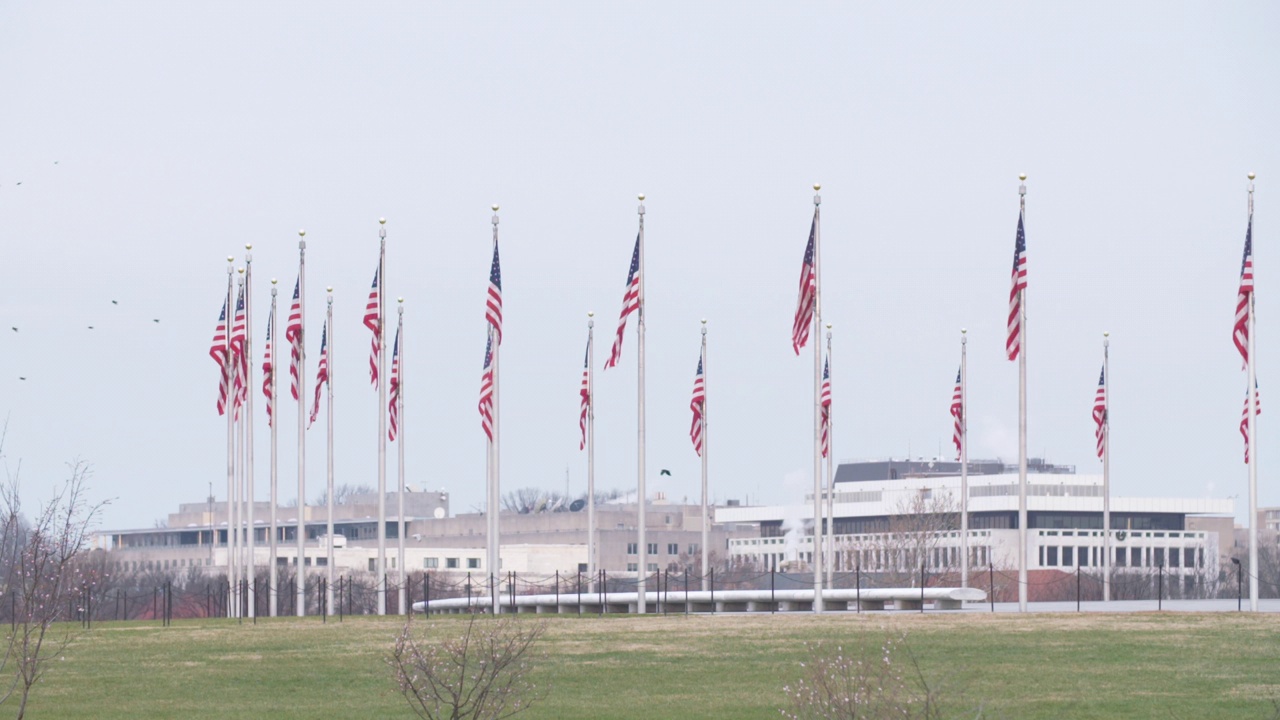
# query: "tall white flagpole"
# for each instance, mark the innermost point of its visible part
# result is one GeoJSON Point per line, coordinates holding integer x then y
{"type": "Point", "coordinates": [328, 588]}
{"type": "Point", "coordinates": [230, 407]}
{"type": "Point", "coordinates": [591, 451]}
{"type": "Point", "coordinates": [495, 484]}
{"type": "Point", "coordinates": [1251, 394]}
{"type": "Point", "coordinates": [1106, 469]}
{"type": "Point", "coordinates": [275, 420]}
{"type": "Point", "coordinates": [1022, 424]}
{"type": "Point", "coordinates": [706, 448]}
{"type": "Point", "coordinates": [248, 420]}
{"type": "Point", "coordinates": [964, 459]}
{"type": "Point", "coordinates": [817, 402]}
{"type": "Point", "coordinates": [642, 548]}
{"type": "Point", "coordinates": [381, 565]}
{"type": "Point", "coordinates": [831, 488]}
{"type": "Point", "coordinates": [300, 572]}
{"type": "Point", "coordinates": [237, 515]}
{"type": "Point", "coordinates": [401, 526]}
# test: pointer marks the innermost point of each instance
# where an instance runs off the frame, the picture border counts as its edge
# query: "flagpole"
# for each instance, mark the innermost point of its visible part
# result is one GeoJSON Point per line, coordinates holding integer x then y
{"type": "Point", "coordinates": [230, 408]}
{"type": "Point", "coordinates": [1022, 424]}
{"type": "Point", "coordinates": [381, 565]}
{"type": "Point", "coordinates": [237, 544]}
{"type": "Point", "coordinates": [591, 451]}
{"type": "Point", "coordinates": [642, 548]}
{"type": "Point", "coordinates": [495, 498]}
{"type": "Point", "coordinates": [1252, 393]}
{"type": "Point", "coordinates": [817, 403]}
{"type": "Point", "coordinates": [400, 523]}
{"type": "Point", "coordinates": [964, 459]}
{"type": "Point", "coordinates": [248, 419]}
{"type": "Point", "coordinates": [831, 490]}
{"type": "Point", "coordinates": [706, 448]}
{"type": "Point", "coordinates": [1106, 468]}
{"type": "Point", "coordinates": [300, 570]}
{"type": "Point", "coordinates": [275, 363]}
{"type": "Point", "coordinates": [328, 595]}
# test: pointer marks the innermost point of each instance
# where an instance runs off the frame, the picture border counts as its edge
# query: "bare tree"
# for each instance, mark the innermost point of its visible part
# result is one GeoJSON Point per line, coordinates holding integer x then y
{"type": "Point", "coordinates": [481, 674]}
{"type": "Point", "coordinates": [344, 494]}
{"type": "Point", "coordinates": [915, 537]}
{"type": "Point", "coordinates": [42, 576]}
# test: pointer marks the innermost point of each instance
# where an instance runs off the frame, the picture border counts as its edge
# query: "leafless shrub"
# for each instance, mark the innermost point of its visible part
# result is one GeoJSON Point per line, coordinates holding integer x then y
{"type": "Point", "coordinates": [865, 681]}
{"type": "Point", "coordinates": [41, 577]}
{"type": "Point", "coordinates": [482, 673]}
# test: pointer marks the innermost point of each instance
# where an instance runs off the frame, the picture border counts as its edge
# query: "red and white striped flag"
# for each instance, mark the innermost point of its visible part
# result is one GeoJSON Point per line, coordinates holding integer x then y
{"type": "Point", "coordinates": [630, 304]}
{"type": "Point", "coordinates": [373, 321]}
{"type": "Point", "coordinates": [293, 336]}
{"type": "Point", "coordinates": [1241, 331]}
{"type": "Point", "coordinates": [220, 352]}
{"type": "Point", "coordinates": [393, 406]}
{"type": "Point", "coordinates": [1100, 418]}
{"type": "Point", "coordinates": [1244, 418]}
{"type": "Point", "coordinates": [1013, 344]}
{"type": "Point", "coordinates": [239, 357]}
{"type": "Point", "coordinates": [493, 305]}
{"type": "Point", "coordinates": [957, 414]}
{"type": "Point", "coordinates": [585, 393]}
{"type": "Point", "coordinates": [697, 404]}
{"type": "Point", "coordinates": [268, 373]}
{"type": "Point", "coordinates": [808, 293]}
{"type": "Point", "coordinates": [825, 400]}
{"type": "Point", "coordinates": [486, 389]}
{"type": "Point", "coordinates": [322, 373]}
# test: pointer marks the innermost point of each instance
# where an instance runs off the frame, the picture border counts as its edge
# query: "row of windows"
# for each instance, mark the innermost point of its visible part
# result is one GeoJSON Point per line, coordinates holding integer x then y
{"type": "Point", "coordinates": [1068, 556]}
{"type": "Point", "coordinates": [672, 548]}
{"type": "Point", "coordinates": [433, 563]}
{"type": "Point", "coordinates": [130, 565]}
{"type": "Point", "coordinates": [633, 567]}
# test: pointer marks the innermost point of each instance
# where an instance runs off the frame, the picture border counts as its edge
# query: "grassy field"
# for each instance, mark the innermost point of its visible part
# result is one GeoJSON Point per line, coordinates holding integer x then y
{"type": "Point", "coordinates": [1214, 665]}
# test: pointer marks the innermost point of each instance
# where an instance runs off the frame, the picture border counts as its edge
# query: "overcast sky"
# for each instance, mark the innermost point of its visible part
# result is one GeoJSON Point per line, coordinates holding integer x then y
{"type": "Point", "coordinates": [142, 143]}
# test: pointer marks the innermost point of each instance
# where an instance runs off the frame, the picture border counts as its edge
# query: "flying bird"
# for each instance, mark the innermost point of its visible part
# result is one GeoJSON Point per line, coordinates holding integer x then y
{"type": "Point", "coordinates": [90, 327]}
{"type": "Point", "coordinates": [115, 302]}
{"type": "Point", "coordinates": [15, 329]}
{"type": "Point", "coordinates": [665, 472]}
{"type": "Point", "coordinates": [21, 377]}
{"type": "Point", "coordinates": [156, 320]}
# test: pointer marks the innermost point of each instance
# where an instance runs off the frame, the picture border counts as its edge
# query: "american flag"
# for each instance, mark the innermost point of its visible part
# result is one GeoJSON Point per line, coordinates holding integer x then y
{"type": "Point", "coordinates": [239, 357]}
{"type": "Point", "coordinates": [957, 412]}
{"type": "Point", "coordinates": [394, 387]}
{"type": "Point", "coordinates": [293, 336]}
{"type": "Point", "coordinates": [808, 293]}
{"type": "Point", "coordinates": [630, 304]}
{"type": "Point", "coordinates": [1241, 332]}
{"type": "Point", "coordinates": [697, 404]}
{"type": "Point", "coordinates": [219, 352]}
{"type": "Point", "coordinates": [268, 373]}
{"type": "Point", "coordinates": [1100, 412]}
{"type": "Point", "coordinates": [373, 321]}
{"type": "Point", "coordinates": [585, 392]}
{"type": "Point", "coordinates": [322, 372]}
{"type": "Point", "coordinates": [486, 389]}
{"type": "Point", "coordinates": [1013, 344]}
{"type": "Point", "coordinates": [1244, 418]}
{"type": "Point", "coordinates": [493, 305]}
{"type": "Point", "coordinates": [826, 407]}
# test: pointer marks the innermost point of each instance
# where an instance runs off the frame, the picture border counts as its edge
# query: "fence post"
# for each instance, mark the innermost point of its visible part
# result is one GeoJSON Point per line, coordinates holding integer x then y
{"type": "Point", "coordinates": [857, 570]}
{"type": "Point", "coordinates": [1160, 590]}
{"type": "Point", "coordinates": [1077, 588]}
{"type": "Point", "coordinates": [922, 581]}
{"type": "Point", "coordinates": [686, 591]}
{"type": "Point", "coordinates": [155, 605]}
{"type": "Point", "coordinates": [713, 591]}
{"type": "Point", "coordinates": [991, 568]}
{"type": "Point", "coordinates": [773, 602]}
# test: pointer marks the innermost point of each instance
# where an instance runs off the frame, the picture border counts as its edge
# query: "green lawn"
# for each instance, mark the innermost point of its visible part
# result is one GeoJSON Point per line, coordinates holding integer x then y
{"type": "Point", "coordinates": [728, 666]}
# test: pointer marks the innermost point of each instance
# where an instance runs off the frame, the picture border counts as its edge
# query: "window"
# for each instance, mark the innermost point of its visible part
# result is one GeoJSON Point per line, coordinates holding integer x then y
{"type": "Point", "coordinates": [451, 563]}
{"type": "Point", "coordinates": [1135, 557]}
{"type": "Point", "coordinates": [582, 567]}
{"type": "Point", "coordinates": [652, 548]}
{"type": "Point", "coordinates": [693, 548]}
{"type": "Point", "coordinates": [1051, 555]}
{"type": "Point", "coordinates": [431, 563]}
{"type": "Point", "coordinates": [631, 567]}
{"type": "Point", "coordinates": [372, 567]}
{"type": "Point", "coordinates": [632, 548]}
{"type": "Point", "coordinates": [1067, 560]}
{"type": "Point", "coordinates": [473, 563]}
{"type": "Point", "coordinates": [653, 567]}
{"type": "Point", "coordinates": [1159, 554]}
{"type": "Point", "coordinates": [322, 561]}
{"type": "Point", "coordinates": [673, 548]}
{"type": "Point", "coordinates": [1189, 557]}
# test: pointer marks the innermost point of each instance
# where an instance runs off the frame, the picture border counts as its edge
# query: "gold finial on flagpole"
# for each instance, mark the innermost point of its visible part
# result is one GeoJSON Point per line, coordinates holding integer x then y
{"type": "Point", "coordinates": [248, 246]}
{"type": "Point", "coordinates": [240, 270]}
{"type": "Point", "coordinates": [231, 259]}
{"type": "Point", "coordinates": [1252, 176]}
{"type": "Point", "coordinates": [1022, 176]}
{"type": "Point", "coordinates": [817, 199]}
